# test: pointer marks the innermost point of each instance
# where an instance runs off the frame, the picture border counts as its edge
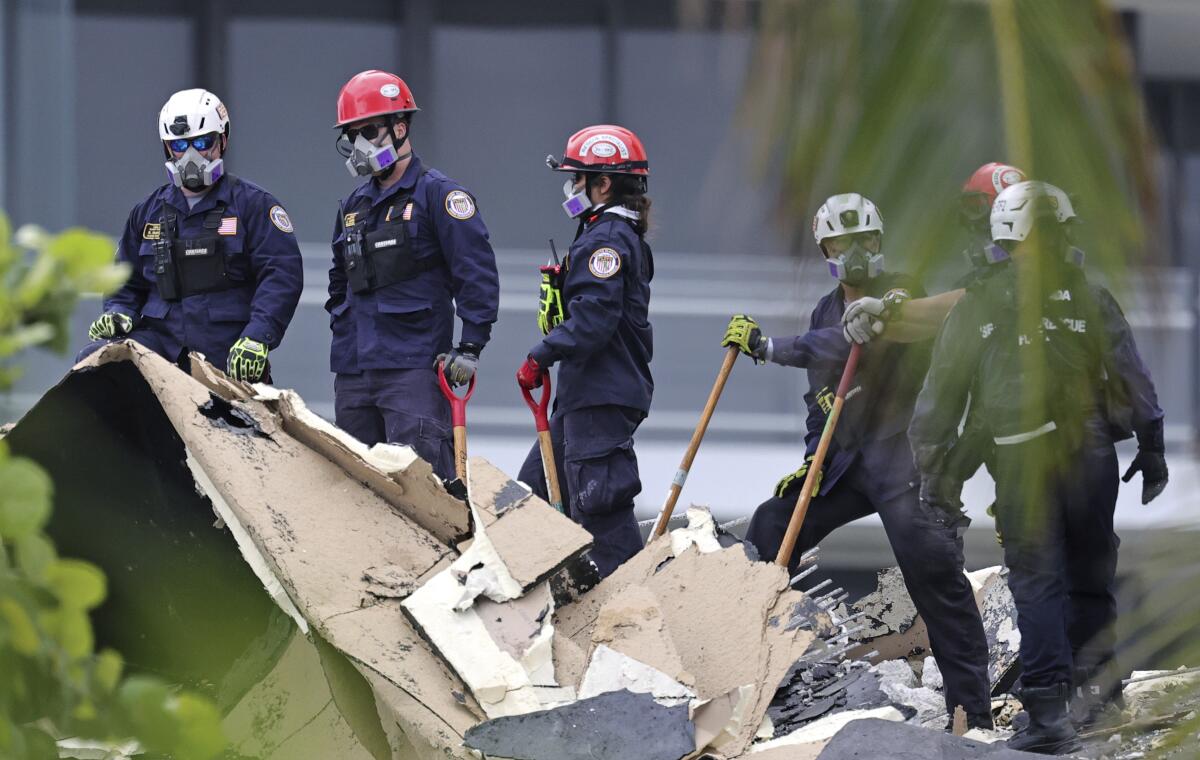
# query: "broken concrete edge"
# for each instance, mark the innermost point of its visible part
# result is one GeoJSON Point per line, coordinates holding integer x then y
{"type": "Point", "coordinates": [825, 728]}
{"type": "Point", "coordinates": [378, 467]}
{"type": "Point", "coordinates": [262, 568]}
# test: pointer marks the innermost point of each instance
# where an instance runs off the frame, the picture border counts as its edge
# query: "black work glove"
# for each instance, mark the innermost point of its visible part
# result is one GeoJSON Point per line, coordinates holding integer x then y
{"type": "Point", "coordinates": [942, 491]}
{"type": "Point", "coordinates": [1153, 466]}
{"type": "Point", "coordinates": [460, 363]}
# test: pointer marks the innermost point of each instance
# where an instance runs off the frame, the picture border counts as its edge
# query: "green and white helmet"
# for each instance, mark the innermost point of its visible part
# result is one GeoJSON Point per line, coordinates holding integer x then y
{"type": "Point", "coordinates": [846, 214]}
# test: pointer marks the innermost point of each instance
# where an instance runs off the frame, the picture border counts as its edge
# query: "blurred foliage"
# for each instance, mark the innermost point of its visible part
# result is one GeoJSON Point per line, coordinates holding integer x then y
{"type": "Point", "coordinates": [901, 101]}
{"type": "Point", "coordinates": [52, 681]}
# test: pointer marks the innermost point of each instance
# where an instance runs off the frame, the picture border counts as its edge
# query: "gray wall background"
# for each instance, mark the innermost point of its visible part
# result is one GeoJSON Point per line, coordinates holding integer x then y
{"type": "Point", "coordinates": [500, 86]}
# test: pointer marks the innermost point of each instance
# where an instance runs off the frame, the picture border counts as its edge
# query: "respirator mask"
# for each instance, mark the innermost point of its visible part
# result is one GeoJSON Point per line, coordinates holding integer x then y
{"type": "Point", "coordinates": [857, 263]}
{"type": "Point", "coordinates": [577, 201]}
{"type": "Point", "coordinates": [364, 157]}
{"type": "Point", "coordinates": [192, 170]}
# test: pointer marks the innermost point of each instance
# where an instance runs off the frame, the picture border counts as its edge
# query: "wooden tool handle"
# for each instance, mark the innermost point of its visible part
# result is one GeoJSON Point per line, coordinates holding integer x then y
{"type": "Point", "coordinates": [810, 480]}
{"type": "Point", "coordinates": [548, 465]}
{"type": "Point", "coordinates": [664, 516]}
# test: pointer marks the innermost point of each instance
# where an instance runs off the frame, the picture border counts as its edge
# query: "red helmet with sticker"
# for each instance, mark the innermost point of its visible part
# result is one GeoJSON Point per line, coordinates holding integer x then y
{"type": "Point", "coordinates": [981, 189]}
{"type": "Point", "coordinates": [603, 148]}
{"type": "Point", "coordinates": [373, 93]}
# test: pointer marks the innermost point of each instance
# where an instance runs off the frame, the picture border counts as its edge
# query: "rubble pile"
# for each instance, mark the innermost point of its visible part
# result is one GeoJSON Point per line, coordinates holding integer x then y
{"type": "Point", "coordinates": [337, 602]}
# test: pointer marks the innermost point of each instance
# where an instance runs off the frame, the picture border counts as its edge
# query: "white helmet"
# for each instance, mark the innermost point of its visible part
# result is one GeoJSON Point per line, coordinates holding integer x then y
{"type": "Point", "coordinates": [190, 113]}
{"type": "Point", "coordinates": [1018, 207]}
{"type": "Point", "coordinates": [188, 116]}
{"type": "Point", "coordinates": [846, 214]}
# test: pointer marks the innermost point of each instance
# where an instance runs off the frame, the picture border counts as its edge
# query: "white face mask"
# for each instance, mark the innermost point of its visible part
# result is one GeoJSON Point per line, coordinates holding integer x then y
{"type": "Point", "coordinates": [577, 202]}
{"type": "Point", "coordinates": [193, 171]}
{"type": "Point", "coordinates": [367, 158]}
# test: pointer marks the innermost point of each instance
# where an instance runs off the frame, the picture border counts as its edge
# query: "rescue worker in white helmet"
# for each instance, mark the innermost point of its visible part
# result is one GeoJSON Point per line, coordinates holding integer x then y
{"type": "Point", "coordinates": [215, 264]}
{"type": "Point", "coordinates": [869, 464]}
{"type": "Point", "coordinates": [1035, 349]}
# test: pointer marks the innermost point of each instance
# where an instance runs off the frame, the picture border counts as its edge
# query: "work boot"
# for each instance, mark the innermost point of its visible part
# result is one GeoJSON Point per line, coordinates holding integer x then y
{"type": "Point", "coordinates": [1092, 707]}
{"type": "Point", "coordinates": [1049, 731]}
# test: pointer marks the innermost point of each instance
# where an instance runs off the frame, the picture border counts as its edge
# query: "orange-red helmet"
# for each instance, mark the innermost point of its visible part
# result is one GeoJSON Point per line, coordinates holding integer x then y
{"type": "Point", "coordinates": [373, 93]}
{"type": "Point", "coordinates": [981, 189]}
{"type": "Point", "coordinates": [603, 148]}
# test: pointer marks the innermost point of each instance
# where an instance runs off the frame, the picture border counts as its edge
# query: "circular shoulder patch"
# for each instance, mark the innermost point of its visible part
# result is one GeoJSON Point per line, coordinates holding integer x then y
{"type": "Point", "coordinates": [280, 219]}
{"type": "Point", "coordinates": [604, 263]}
{"type": "Point", "coordinates": [459, 205]}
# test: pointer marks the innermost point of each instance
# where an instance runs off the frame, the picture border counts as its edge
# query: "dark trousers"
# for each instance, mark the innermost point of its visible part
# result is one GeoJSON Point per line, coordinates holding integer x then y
{"type": "Point", "coordinates": [928, 549]}
{"type": "Point", "coordinates": [404, 406]}
{"type": "Point", "coordinates": [1054, 512]}
{"type": "Point", "coordinates": [598, 477]}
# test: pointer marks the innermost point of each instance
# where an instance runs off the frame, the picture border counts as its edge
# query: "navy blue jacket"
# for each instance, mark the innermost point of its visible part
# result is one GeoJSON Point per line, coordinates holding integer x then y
{"type": "Point", "coordinates": [260, 252]}
{"type": "Point", "coordinates": [606, 341]}
{"type": "Point", "coordinates": [1094, 380]}
{"type": "Point", "coordinates": [406, 324]}
{"type": "Point", "coordinates": [879, 403]}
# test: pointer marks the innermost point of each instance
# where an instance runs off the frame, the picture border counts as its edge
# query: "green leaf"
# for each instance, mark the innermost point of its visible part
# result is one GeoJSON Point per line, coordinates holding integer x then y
{"type": "Point", "coordinates": [106, 672]}
{"type": "Point", "coordinates": [143, 702]}
{"type": "Point", "coordinates": [22, 633]}
{"type": "Point", "coordinates": [25, 492]}
{"type": "Point", "coordinates": [78, 585]}
{"type": "Point", "coordinates": [201, 737]}
{"type": "Point", "coordinates": [75, 633]}
{"type": "Point", "coordinates": [35, 554]}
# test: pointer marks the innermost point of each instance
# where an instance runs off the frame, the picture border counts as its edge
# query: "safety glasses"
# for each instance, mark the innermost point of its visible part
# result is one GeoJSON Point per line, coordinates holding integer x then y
{"type": "Point", "coordinates": [200, 143]}
{"type": "Point", "coordinates": [368, 131]}
{"type": "Point", "coordinates": [842, 243]}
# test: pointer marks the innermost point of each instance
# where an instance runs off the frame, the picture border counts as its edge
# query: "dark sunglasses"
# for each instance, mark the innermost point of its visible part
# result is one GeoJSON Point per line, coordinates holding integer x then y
{"type": "Point", "coordinates": [201, 143]}
{"type": "Point", "coordinates": [368, 131]}
{"type": "Point", "coordinates": [975, 206]}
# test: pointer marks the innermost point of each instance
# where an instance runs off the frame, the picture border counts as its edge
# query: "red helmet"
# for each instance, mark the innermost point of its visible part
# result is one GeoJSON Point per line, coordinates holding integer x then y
{"type": "Point", "coordinates": [373, 93]}
{"type": "Point", "coordinates": [980, 191]}
{"type": "Point", "coordinates": [603, 148]}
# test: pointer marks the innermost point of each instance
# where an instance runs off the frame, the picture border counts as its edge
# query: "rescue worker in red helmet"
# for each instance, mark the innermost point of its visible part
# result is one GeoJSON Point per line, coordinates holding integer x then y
{"type": "Point", "coordinates": [410, 250]}
{"type": "Point", "coordinates": [600, 339]}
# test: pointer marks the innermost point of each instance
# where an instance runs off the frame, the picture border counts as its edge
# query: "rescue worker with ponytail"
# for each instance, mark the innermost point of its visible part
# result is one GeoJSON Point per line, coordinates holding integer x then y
{"type": "Point", "coordinates": [410, 251]}
{"type": "Point", "coordinates": [215, 264]}
{"type": "Point", "coordinates": [600, 339]}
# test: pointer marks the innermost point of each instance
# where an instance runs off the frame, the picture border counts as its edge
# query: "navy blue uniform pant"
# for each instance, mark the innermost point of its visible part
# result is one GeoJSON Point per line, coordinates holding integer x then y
{"type": "Point", "coordinates": [928, 548]}
{"type": "Point", "coordinates": [1054, 512]}
{"type": "Point", "coordinates": [404, 406]}
{"type": "Point", "coordinates": [598, 477]}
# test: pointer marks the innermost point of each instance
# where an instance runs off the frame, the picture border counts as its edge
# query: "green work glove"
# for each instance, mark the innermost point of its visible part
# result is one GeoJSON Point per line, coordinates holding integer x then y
{"type": "Point", "coordinates": [110, 324]}
{"type": "Point", "coordinates": [797, 477]}
{"type": "Point", "coordinates": [247, 360]}
{"type": "Point", "coordinates": [743, 333]}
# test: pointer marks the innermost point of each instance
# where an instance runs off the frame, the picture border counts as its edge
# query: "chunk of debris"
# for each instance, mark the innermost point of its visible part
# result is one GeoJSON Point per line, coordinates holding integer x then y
{"type": "Point", "coordinates": [818, 733]}
{"type": "Point", "coordinates": [999, 613]}
{"type": "Point", "coordinates": [889, 621]}
{"type": "Point", "coordinates": [1148, 692]}
{"type": "Point", "coordinates": [719, 650]}
{"type": "Point", "coordinates": [609, 670]}
{"type": "Point", "coordinates": [617, 724]}
{"type": "Point", "coordinates": [872, 737]}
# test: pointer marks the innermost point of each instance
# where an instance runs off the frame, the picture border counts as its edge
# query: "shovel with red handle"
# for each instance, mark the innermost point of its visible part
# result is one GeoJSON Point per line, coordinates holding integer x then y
{"type": "Point", "coordinates": [542, 423]}
{"type": "Point", "coordinates": [458, 418]}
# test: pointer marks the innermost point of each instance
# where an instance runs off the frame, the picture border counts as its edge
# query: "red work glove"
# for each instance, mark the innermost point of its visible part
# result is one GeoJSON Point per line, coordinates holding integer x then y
{"type": "Point", "coordinates": [529, 375]}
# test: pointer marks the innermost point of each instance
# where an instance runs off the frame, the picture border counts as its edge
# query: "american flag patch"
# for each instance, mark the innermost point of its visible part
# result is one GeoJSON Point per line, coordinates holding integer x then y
{"type": "Point", "coordinates": [408, 212]}
{"type": "Point", "coordinates": [228, 226]}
